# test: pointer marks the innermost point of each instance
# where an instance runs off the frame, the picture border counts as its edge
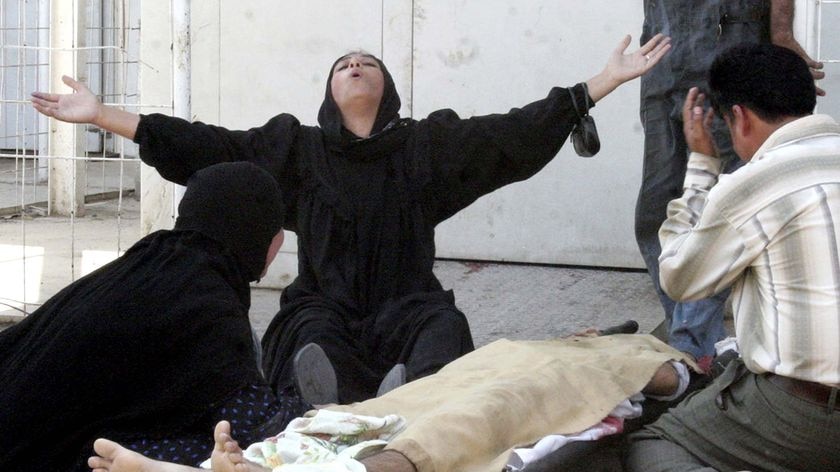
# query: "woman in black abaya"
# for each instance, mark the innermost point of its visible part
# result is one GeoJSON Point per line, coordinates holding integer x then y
{"type": "Point", "coordinates": [155, 347]}
{"type": "Point", "coordinates": [364, 191]}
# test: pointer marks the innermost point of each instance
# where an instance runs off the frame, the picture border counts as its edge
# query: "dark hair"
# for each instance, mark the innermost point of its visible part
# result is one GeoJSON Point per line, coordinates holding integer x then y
{"type": "Point", "coordinates": [772, 81]}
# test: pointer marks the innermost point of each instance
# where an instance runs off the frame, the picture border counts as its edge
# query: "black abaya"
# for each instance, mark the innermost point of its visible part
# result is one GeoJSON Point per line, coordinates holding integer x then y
{"type": "Point", "coordinates": [364, 211]}
{"type": "Point", "coordinates": [147, 345]}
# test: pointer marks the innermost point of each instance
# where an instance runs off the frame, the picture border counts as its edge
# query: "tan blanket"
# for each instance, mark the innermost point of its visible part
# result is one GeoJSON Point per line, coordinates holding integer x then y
{"type": "Point", "coordinates": [470, 415]}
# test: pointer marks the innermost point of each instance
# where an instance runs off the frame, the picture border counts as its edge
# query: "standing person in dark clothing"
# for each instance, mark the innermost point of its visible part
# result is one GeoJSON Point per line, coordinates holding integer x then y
{"type": "Point", "coordinates": [155, 347]}
{"type": "Point", "coordinates": [365, 190]}
{"type": "Point", "coordinates": [700, 30]}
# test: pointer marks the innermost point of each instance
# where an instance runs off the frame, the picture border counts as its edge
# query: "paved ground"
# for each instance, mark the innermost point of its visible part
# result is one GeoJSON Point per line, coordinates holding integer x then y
{"type": "Point", "coordinates": [527, 301]}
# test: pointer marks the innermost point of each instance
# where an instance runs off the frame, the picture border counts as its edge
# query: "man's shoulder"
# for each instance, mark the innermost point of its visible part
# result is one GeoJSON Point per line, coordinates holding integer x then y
{"type": "Point", "coordinates": [779, 172]}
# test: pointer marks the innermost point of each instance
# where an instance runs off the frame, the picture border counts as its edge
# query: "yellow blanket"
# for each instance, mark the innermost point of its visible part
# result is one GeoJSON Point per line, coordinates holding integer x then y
{"type": "Point", "coordinates": [470, 415]}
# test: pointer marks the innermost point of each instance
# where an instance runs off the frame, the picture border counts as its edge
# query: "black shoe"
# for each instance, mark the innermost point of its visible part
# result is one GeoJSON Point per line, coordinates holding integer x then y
{"type": "Point", "coordinates": [315, 378]}
{"type": "Point", "coordinates": [393, 379]}
{"type": "Point", "coordinates": [628, 327]}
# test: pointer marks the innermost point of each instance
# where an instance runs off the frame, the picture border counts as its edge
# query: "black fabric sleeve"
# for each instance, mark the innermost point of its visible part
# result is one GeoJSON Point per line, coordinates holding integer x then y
{"type": "Point", "coordinates": [177, 148]}
{"type": "Point", "coordinates": [471, 157]}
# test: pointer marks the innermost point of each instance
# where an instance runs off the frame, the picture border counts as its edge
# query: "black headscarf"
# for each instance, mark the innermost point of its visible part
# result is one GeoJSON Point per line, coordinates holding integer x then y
{"type": "Point", "coordinates": [237, 204]}
{"type": "Point", "coordinates": [329, 116]}
{"type": "Point", "coordinates": [147, 345]}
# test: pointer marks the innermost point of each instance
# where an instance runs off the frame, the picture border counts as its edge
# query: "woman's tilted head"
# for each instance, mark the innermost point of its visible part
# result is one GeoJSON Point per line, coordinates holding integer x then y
{"type": "Point", "coordinates": [237, 204]}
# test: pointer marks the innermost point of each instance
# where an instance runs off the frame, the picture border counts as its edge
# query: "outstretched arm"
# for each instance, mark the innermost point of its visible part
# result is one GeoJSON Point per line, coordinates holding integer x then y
{"type": "Point", "coordinates": [176, 147]}
{"type": "Point", "coordinates": [82, 106]}
{"type": "Point", "coordinates": [623, 67]}
{"type": "Point", "coordinates": [781, 34]}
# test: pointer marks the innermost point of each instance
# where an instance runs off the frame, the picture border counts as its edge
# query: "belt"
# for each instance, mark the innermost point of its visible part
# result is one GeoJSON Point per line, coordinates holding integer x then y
{"type": "Point", "coordinates": [812, 392]}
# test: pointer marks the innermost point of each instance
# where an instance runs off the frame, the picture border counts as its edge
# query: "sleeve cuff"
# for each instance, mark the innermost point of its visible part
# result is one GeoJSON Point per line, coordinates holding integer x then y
{"type": "Point", "coordinates": [141, 129]}
{"type": "Point", "coordinates": [702, 171]}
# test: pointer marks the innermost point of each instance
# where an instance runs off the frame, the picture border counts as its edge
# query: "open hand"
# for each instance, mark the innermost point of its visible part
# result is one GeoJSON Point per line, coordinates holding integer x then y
{"type": "Point", "coordinates": [696, 124]}
{"type": "Point", "coordinates": [623, 67]}
{"type": "Point", "coordinates": [81, 106]}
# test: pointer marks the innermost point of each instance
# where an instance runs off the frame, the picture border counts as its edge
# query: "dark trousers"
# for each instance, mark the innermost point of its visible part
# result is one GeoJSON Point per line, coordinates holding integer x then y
{"type": "Point", "coordinates": [742, 421]}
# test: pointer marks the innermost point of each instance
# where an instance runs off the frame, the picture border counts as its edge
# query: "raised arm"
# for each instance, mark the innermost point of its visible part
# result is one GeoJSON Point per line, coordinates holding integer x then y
{"type": "Point", "coordinates": [623, 67]}
{"type": "Point", "coordinates": [82, 106]}
{"type": "Point", "coordinates": [471, 157]}
{"type": "Point", "coordinates": [781, 34]}
{"type": "Point", "coordinates": [702, 252]}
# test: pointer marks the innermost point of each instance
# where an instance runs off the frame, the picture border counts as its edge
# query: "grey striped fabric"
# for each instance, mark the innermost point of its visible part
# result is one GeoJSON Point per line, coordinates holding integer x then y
{"type": "Point", "coordinates": [772, 231]}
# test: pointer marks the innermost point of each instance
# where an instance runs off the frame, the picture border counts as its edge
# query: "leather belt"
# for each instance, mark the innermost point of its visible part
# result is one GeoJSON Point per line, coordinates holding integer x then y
{"type": "Point", "coordinates": [813, 392]}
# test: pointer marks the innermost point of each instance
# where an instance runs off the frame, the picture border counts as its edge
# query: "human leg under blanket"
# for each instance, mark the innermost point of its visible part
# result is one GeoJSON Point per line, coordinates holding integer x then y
{"type": "Point", "coordinates": [548, 387]}
{"type": "Point", "coordinates": [473, 412]}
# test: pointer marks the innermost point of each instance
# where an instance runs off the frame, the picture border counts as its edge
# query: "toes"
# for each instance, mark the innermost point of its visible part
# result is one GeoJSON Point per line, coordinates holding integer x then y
{"type": "Point", "coordinates": [235, 457]}
{"type": "Point", "coordinates": [221, 435]}
{"type": "Point", "coordinates": [98, 464]}
{"type": "Point", "coordinates": [106, 449]}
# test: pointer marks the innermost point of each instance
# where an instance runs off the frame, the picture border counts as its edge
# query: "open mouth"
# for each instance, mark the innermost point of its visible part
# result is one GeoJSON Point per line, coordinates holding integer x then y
{"type": "Point", "coordinates": [355, 74]}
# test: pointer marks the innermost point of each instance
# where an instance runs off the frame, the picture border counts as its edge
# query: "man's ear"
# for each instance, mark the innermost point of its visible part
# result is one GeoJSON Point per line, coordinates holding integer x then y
{"type": "Point", "coordinates": [741, 120]}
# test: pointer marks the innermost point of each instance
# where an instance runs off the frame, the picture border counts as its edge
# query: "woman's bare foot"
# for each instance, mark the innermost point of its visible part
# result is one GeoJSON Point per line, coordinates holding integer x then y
{"type": "Point", "coordinates": [227, 455]}
{"type": "Point", "coordinates": [114, 458]}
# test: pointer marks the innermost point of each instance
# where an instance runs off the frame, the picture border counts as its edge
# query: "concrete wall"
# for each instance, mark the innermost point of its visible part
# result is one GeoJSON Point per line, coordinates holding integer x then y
{"type": "Point", "coordinates": [252, 59]}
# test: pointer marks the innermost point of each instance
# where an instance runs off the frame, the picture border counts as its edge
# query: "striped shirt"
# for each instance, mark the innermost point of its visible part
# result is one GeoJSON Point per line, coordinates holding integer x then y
{"type": "Point", "coordinates": [771, 230]}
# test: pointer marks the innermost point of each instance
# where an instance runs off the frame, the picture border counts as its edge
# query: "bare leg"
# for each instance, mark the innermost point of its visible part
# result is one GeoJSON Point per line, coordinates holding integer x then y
{"type": "Point", "coordinates": [388, 461]}
{"type": "Point", "coordinates": [664, 382]}
{"type": "Point", "coordinates": [227, 455]}
{"type": "Point", "coordinates": [114, 458]}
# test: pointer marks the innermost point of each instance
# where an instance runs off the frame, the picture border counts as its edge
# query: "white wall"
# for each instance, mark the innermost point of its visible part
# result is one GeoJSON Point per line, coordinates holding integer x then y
{"type": "Point", "coordinates": [819, 35]}
{"type": "Point", "coordinates": [490, 56]}
{"type": "Point", "coordinates": [255, 58]}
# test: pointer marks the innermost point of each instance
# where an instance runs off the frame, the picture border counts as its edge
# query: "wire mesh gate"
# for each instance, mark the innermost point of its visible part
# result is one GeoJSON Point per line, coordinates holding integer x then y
{"type": "Point", "coordinates": [89, 193]}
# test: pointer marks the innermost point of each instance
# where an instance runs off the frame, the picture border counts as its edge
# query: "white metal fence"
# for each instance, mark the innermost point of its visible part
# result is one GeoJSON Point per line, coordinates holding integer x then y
{"type": "Point", "coordinates": [84, 179]}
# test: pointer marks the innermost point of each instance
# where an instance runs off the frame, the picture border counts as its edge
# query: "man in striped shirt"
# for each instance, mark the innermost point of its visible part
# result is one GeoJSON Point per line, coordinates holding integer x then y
{"type": "Point", "coordinates": [771, 231]}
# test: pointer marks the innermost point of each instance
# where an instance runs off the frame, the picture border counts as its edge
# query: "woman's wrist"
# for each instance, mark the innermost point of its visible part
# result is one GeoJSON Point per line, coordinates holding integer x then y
{"type": "Point", "coordinates": [601, 85]}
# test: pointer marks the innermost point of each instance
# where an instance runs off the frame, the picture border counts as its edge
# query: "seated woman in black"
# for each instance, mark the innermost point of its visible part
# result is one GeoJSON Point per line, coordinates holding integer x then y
{"type": "Point", "coordinates": [364, 192]}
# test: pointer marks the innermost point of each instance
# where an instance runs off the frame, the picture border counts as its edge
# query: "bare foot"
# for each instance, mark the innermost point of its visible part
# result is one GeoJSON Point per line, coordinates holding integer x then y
{"type": "Point", "coordinates": [227, 455]}
{"type": "Point", "coordinates": [114, 458]}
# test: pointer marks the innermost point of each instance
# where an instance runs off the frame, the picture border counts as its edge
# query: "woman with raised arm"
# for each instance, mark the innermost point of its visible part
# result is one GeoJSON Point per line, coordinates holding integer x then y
{"type": "Point", "coordinates": [365, 190]}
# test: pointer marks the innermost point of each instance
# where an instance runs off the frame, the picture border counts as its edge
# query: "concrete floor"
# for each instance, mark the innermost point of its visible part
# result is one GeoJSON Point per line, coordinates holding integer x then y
{"type": "Point", "coordinates": [528, 302]}
{"type": "Point", "coordinates": [501, 300]}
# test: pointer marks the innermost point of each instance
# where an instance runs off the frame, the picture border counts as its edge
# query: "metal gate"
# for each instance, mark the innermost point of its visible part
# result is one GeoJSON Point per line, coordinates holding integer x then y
{"type": "Point", "coordinates": [65, 194]}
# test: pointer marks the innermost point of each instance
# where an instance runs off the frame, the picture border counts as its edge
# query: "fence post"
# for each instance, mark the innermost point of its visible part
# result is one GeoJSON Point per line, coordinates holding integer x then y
{"type": "Point", "coordinates": [67, 141]}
